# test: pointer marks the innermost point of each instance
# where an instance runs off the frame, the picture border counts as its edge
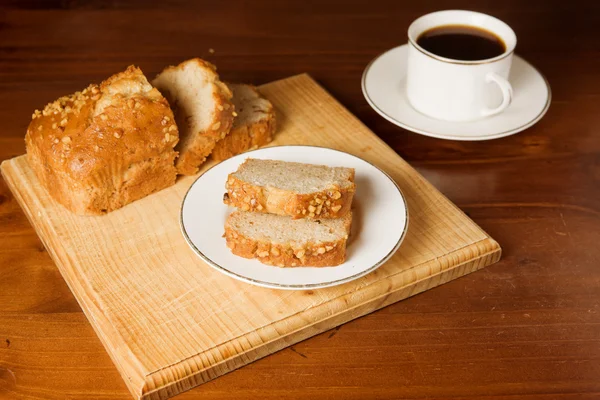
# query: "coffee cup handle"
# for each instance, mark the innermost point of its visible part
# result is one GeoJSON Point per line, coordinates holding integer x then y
{"type": "Point", "coordinates": [507, 94]}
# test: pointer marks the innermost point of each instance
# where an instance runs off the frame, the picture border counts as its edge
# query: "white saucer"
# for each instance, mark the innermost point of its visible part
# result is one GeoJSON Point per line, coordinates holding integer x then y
{"type": "Point", "coordinates": [380, 220]}
{"type": "Point", "coordinates": [383, 84]}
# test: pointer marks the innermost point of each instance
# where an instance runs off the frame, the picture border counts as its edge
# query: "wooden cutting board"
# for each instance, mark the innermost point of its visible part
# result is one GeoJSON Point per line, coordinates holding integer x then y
{"type": "Point", "coordinates": [171, 322]}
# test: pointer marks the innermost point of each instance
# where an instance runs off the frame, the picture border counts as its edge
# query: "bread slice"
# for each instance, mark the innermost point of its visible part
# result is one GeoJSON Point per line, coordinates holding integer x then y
{"type": "Point", "coordinates": [253, 127]}
{"type": "Point", "coordinates": [103, 147]}
{"type": "Point", "coordinates": [202, 107]}
{"type": "Point", "coordinates": [285, 242]}
{"type": "Point", "coordinates": [288, 188]}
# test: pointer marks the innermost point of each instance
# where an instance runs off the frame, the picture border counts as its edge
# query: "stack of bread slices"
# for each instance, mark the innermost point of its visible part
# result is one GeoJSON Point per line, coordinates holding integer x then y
{"type": "Point", "coordinates": [289, 214]}
{"type": "Point", "coordinates": [113, 143]}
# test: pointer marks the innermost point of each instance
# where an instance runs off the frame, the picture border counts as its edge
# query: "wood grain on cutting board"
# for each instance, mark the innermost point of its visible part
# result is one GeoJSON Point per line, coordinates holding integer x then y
{"type": "Point", "coordinates": [170, 322]}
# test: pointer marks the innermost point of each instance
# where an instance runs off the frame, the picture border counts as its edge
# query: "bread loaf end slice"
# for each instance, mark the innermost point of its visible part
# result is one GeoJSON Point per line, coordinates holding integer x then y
{"type": "Point", "coordinates": [253, 127]}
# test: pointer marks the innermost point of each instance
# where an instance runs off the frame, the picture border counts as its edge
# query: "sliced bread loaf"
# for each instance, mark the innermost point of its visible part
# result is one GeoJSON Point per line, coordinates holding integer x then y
{"type": "Point", "coordinates": [285, 242]}
{"type": "Point", "coordinates": [202, 107]}
{"type": "Point", "coordinates": [289, 188]}
{"type": "Point", "coordinates": [253, 127]}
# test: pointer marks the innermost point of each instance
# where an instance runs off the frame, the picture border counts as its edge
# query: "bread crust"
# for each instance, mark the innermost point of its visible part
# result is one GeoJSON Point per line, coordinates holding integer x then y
{"type": "Point", "coordinates": [194, 150]}
{"type": "Point", "coordinates": [312, 254]}
{"type": "Point", "coordinates": [106, 146]}
{"type": "Point", "coordinates": [247, 136]}
{"type": "Point", "coordinates": [334, 202]}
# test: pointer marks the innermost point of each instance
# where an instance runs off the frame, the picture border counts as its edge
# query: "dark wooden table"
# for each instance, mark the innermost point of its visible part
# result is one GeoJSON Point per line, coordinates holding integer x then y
{"type": "Point", "coordinates": [525, 328]}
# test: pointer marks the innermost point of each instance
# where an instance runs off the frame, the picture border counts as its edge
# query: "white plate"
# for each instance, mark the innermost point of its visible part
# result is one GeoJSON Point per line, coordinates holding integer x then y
{"type": "Point", "coordinates": [379, 223]}
{"type": "Point", "coordinates": [383, 84]}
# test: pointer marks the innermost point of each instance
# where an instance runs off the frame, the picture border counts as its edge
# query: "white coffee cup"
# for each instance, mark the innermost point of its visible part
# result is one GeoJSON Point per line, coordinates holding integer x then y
{"type": "Point", "coordinates": [457, 90]}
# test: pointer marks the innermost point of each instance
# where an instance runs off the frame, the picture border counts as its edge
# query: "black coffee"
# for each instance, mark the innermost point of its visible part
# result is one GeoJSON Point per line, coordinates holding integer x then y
{"type": "Point", "coordinates": [461, 42]}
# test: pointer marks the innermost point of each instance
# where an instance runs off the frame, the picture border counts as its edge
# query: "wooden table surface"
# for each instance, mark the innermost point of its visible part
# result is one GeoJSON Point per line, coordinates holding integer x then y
{"type": "Point", "coordinates": [527, 327]}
